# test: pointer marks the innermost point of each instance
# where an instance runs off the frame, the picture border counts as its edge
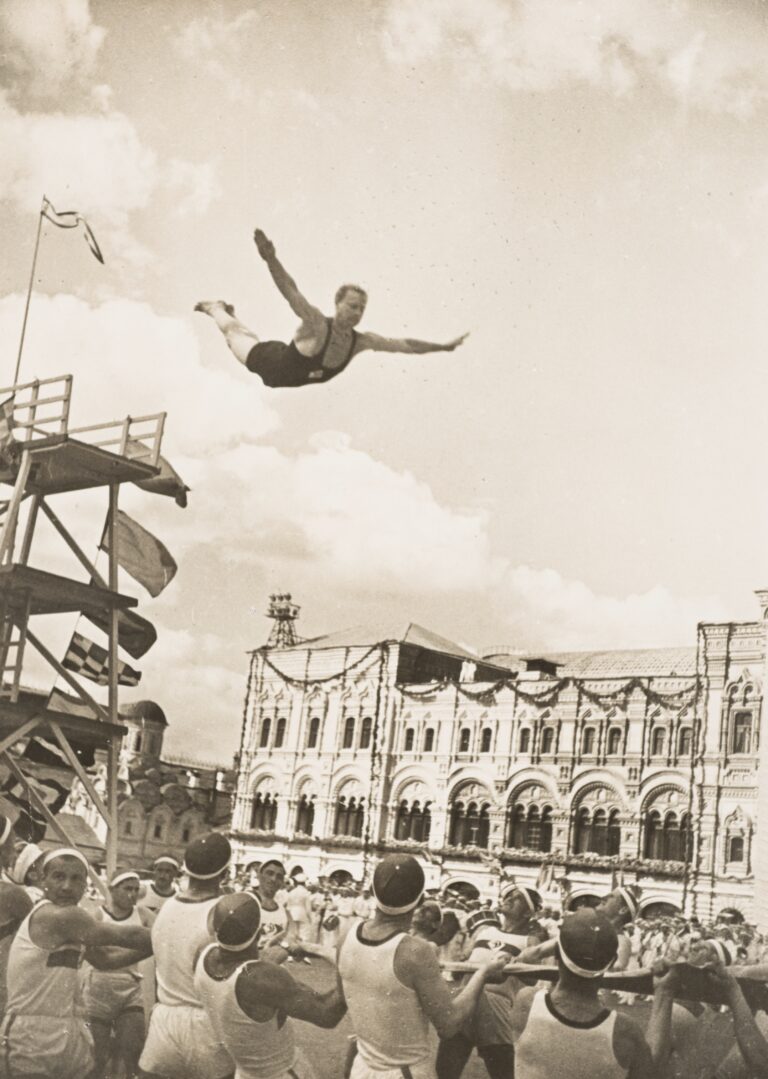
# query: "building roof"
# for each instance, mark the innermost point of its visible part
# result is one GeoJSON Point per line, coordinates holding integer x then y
{"type": "Point", "coordinates": [79, 831]}
{"type": "Point", "coordinates": [628, 662]}
{"type": "Point", "coordinates": [397, 632]}
{"type": "Point", "coordinates": [146, 710]}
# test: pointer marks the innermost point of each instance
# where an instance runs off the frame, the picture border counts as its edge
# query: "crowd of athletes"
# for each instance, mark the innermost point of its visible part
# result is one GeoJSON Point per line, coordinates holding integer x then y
{"type": "Point", "coordinates": [196, 974]}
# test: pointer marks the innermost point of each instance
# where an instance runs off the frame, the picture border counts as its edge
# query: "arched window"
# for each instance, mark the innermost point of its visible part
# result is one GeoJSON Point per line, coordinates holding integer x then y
{"type": "Point", "coordinates": [464, 736]}
{"type": "Point", "coordinates": [349, 816]}
{"type": "Point", "coordinates": [658, 738]}
{"type": "Point", "coordinates": [613, 839]}
{"type": "Point", "coordinates": [485, 740]}
{"type": "Point", "coordinates": [349, 733]}
{"type": "Point", "coordinates": [280, 732]}
{"type": "Point", "coordinates": [597, 830]}
{"type": "Point", "coordinates": [667, 837]}
{"type": "Point", "coordinates": [525, 740]}
{"type": "Point", "coordinates": [547, 740]}
{"type": "Point", "coordinates": [365, 732]}
{"type": "Point", "coordinates": [469, 825]}
{"type": "Point", "coordinates": [429, 740]}
{"type": "Point", "coordinates": [265, 728]}
{"type": "Point", "coordinates": [741, 736]}
{"type": "Point", "coordinates": [264, 812]}
{"type": "Point", "coordinates": [305, 815]}
{"type": "Point", "coordinates": [413, 821]}
{"type": "Point", "coordinates": [314, 731]}
{"type": "Point", "coordinates": [684, 742]}
{"type": "Point", "coordinates": [528, 827]}
{"type": "Point", "coordinates": [408, 743]}
{"type": "Point", "coordinates": [736, 848]}
{"type": "Point", "coordinates": [137, 742]}
{"type": "Point", "coordinates": [614, 742]}
{"type": "Point", "coordinates": [588, 741]}
{"type": "Point", "coordinates": [582, 837]}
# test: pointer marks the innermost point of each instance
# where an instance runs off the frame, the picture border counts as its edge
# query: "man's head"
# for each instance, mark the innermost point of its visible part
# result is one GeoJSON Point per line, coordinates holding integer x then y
{"type": "Point", "coordinates": [124, 891]}
{"type": "Point", "coordinates": [426, 918]}
{"type": "Point", "coordinates": [65, 875]}
{"type": "Point", "coordinates": [165, 870]}
{"type": "Point", "coordinates": [587, 945]}
{"type": "Point", "coordinates": [520, 904]}
{"type": "Point", "coordinates": [236, 921]}
{"type": "Point", "coordinates": [26, 867]}
{"type": "Point", "coordinates": [350, 303]}
{"type": "Point", "coordinates": [398, 884]}
{"type": "Point", "coordinates": [271, 878]}
{"type": "Point", "coordinates": [622, 906]}
{"type": "Point", "coordinates": [207, 859]}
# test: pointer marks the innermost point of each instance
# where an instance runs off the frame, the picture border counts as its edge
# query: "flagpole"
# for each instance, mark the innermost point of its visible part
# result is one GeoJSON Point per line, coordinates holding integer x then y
{"type": "Point", "coordinates": [29, 291]}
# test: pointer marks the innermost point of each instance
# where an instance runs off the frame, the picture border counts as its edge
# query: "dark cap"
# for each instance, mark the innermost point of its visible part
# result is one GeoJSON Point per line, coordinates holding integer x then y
{"type": "Point", "coordinates": [398, 884]}
{"type": "Point", "coordinates": [236, 921]}
{"type": "Point", "coordinates": [588, 943]}
{"type": "Point", "coordinates": [208, 856]}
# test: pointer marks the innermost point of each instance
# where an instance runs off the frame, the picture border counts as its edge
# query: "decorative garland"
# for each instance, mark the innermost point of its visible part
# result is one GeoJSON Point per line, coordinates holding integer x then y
{"type": "Point", "coordinates": [551, 694]}
{"type": "Point", "coordinates": [305, 683]}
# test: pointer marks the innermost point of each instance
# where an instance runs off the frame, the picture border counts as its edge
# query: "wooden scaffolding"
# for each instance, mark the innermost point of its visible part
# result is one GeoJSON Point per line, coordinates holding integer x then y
{"type": "Point", "coordinates": [42, 456]}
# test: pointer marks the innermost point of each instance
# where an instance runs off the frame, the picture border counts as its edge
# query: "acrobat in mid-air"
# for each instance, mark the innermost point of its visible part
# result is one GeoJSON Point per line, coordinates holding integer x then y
{"type": "Point", "coordinates": [321, 347]}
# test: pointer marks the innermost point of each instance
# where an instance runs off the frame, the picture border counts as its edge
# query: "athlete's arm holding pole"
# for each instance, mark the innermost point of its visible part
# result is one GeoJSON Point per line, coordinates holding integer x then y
{"type": "Point", "coordinates": [108, 947]}
{"type": "Point", "coordinates": [660, 1023]}
{"type": "Point", "coordinates": [269, 987]}
{"type": "Point", "coordinates": [752, 1044]}
{"type": "Point", "coordinates": [416, 966]}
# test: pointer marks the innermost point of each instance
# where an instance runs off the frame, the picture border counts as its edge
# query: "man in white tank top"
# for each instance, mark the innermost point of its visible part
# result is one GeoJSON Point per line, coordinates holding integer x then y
{"type": "Point", "coordinates": [566, 1033]}
{"type": "Point", "coordinates": [15, 899]}
{"type": "Point", "coordinates": [393, 985]}
{"type": "Point", "coordinates": [489, 1028]}
{"type": "Point", "coordinates": [181, 1043]}
{"type": "Point", "coordinates": [43, 1032]}
{"type": "Point", "coordinates": [165, 870]}
{"type": "Point", "coordinates": [250, 1001]}
{"type": "Point", "coordinates": [113, 1000]}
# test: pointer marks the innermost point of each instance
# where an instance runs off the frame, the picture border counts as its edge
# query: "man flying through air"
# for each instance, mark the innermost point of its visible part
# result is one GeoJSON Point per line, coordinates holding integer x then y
{"type": "Point", "coordinates": [321, 347]}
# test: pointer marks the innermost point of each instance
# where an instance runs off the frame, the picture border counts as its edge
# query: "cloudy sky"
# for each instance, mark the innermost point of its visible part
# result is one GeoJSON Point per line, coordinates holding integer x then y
{"type": "Point", "coordinates": [583, 186]}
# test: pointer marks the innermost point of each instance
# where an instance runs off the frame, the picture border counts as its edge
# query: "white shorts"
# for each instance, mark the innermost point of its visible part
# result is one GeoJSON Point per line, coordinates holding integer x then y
{"type": "Point", "coordinates": [45, 1046]}
{"type": "Point", "coordinates": [110, 994]}
{"type": "Point", "coordinates": [424, 1069]}
{"type": "Point", "coordinates": [181, 1044]}
{"type": "Point", "coordinates": [301, 1069]}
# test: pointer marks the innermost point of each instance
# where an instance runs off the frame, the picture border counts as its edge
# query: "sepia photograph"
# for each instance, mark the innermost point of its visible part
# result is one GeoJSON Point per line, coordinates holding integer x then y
{"type": "Point", "coordinates": [383, 565]}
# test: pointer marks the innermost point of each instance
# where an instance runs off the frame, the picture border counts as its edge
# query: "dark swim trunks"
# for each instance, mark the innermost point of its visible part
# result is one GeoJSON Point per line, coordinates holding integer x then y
{"type": "Point", "coordinates": [278, 364]}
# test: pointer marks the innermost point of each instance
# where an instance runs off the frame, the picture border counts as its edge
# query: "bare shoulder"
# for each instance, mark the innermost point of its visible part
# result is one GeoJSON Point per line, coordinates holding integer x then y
{"type": "Point", "coordinates": [50, 925]}
{"type": "Point", "coordinates": [15, 903]}
{"type": "Point", "coordinates": [630, 1047]}
{"type": "Point", "coordinates": [522, 1009]}
{"type": "Point", "coordinates": [414, 958]}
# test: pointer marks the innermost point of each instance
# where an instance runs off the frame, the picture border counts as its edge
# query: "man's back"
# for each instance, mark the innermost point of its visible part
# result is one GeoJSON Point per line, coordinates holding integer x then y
{"type": "Point", "coordinates": [178, 935]}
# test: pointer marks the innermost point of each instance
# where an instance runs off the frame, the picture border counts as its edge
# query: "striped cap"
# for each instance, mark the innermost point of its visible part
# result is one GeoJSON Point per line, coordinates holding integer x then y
{"type": "Point", "coordinates": [208, 856]}
{"type": "Point", "coordinates": [398, 884]}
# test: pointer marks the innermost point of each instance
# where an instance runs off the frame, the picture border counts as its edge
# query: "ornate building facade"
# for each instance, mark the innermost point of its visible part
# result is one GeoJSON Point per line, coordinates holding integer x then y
{"type": "Point", "coordinates": [163, 802]}
{"type": "Point", "coordinates": [568, 770]}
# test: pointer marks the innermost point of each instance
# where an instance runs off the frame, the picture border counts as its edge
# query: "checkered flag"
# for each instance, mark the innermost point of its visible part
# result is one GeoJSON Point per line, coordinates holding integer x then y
{"type": "Point", "coordinates": [92, 661]}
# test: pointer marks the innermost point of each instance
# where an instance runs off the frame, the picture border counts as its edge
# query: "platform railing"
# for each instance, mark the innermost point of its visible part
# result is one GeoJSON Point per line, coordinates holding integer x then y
{"type": "Point", "coordinates": [40, 407]}
{"type": "Point", "coordinates": [137, 437]}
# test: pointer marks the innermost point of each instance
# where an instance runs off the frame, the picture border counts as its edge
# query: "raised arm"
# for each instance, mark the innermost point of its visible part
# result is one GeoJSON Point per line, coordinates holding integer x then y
{"type": "Point", "coordinates": [287, 287]}
{"type": "Point", "coordinates": [376, 343]}
{"type": "Point", "coordinates": [416, 966]}
{"type": "Point", "coordinates": [108, 946]}
{"type": "Point", "coordinates": [263, 988]}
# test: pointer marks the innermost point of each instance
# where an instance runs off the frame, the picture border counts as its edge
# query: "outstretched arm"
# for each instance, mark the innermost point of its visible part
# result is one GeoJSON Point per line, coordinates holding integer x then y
{"type": "Point", "coordinates": [300, 306]}
{"type": "Point", "coordinates": [752, 1044]}
{"type": "Point", "coordinates": [263, 988]}
{"type": "Point", "coordinates": [376, 343]}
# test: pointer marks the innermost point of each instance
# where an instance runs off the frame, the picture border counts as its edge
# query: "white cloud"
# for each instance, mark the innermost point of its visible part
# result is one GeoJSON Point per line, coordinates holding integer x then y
{"type": "Point", "coordinates": [48, 44]}
{"type": "Point", "coordinates": [127, 359]}
{"type": "Point", "coordinates": [195, 185]}
{"type": "Point", "coordinates": [711, 59]}
{"type": "Point", "coordinates": [221, 47]}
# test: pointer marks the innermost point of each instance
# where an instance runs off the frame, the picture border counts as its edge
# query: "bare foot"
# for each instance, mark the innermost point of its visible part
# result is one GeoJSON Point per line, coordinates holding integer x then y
{"type": "Point", "coordinates": [207, 307]}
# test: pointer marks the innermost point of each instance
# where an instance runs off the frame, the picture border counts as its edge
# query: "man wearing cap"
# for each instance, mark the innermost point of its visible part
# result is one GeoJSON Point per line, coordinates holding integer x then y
{"type": "Point", "coordinates": [566, 1031]}
{"type": "Point", "coordinates": [393, 985]}
{"type": "Point", "coordinates": [181, 1043]}
{"type": "Point", "coordinates": [113, 999]}
{"type": "Point", "coordinates": [489, 1028]}
{"type": "Point", "coordinates": [248, 998]}
{"type": "Point", "coordinates": [165, 870]}
{"type": "Point", "coordinates": [43, 1034]}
